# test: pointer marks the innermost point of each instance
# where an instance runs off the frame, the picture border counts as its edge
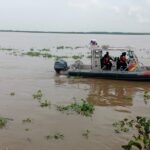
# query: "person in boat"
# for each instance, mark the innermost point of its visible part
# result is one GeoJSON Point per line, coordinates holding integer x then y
{"type": "Point", "coordinates": [106, 63]}
{"type": "Point", "coordinates": [123, 61]}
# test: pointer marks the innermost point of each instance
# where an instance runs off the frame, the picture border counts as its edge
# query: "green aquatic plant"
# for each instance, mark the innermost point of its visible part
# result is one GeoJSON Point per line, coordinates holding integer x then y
{"type": "Point", "coordinates": [27, 120]}
{"type": "Point", "coordinates": [12, 93]}
{"type": "Point", "coordinates": [140, 140]}
{"type": "Point", "coordinates": [77, 56]}
{"type": "Point", "coordinates": [84, 108]}
{"type": "Point", "coordinates": [123, 125]}
{"type": "Point", "coordinates": [56, 136]}
{"type": "Point", "coordinates": [31, 49]}
{"type": "Point", "coordinates": [3, 122]}
{"type": "Point", "coordinates": [60, 57]}
{"type": "Point", "coordinates": [38, 95]}
{"type": "Point", "coordinates": [68, 47]}
{"type": "Point", "coordinates": [77, 47]}
{"type": "Point", "coordinates": [45, 49]}
{"type": "Point", "coordinates": [146, 95]}
{"type": "Point", "coordinates": [44, 103]}
{"type": "Point", "coordinates": [60, 47]}
{"type": "Point", "coordinates": [26, 129]}
{"type": "Point", "coordinates": [33, 54]}
{"type": "Point", "coordinates": [86, 134]}
{"type": "Point", "coordinates": [6, 49]}
{"type": "Point", "coordinates": [47, 55]}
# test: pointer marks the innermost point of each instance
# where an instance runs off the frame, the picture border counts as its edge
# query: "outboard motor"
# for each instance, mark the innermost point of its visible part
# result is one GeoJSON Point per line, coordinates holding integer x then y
{"type": "Point", "coordinates": [60, 65]}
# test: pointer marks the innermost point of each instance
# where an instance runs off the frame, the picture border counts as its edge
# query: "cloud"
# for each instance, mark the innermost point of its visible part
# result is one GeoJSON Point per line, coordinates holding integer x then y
{"type": "Point", "coordinates": [139, 13]}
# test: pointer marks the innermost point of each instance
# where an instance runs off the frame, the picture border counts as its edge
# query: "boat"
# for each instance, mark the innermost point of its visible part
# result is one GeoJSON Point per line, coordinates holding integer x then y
{"type": "Point", "coordinates": [135, 71]}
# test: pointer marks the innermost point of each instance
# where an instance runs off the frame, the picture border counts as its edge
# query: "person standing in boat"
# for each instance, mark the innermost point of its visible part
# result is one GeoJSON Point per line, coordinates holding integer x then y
{"type": "Point", "coordinates": [106, 61]}
{"type": "Point", "coordinates": [123, 61]}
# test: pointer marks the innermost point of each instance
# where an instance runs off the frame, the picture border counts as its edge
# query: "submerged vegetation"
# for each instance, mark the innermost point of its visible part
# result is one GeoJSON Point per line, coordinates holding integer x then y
{"type": "Point", "coordinates": [3, 122]}
{"type": "Point", "coordinates": [146, 95]}
{"type": "Point", "coordinates": [37, 95]}
{"type": "Point", "coordinates": [86, 134]}
{"type": "Point", "coordinates": [56, 136]}
{"type": "Point", "coordinates": [12, 93]}
{"type": "Point", "coordinates": [77, 56]}
{"type": "Point", "coordinates": [45, 103]}
{"type": "Point", "coordinates": [27, 120]}
{"type": "Point", "coordinates": [84, 108]}
{"type": "Point", "coordinates": [140, 140]}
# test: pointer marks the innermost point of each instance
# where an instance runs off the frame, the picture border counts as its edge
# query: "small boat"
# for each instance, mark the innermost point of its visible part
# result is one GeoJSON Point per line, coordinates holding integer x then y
{"type": "Point", "coordinates": [134, 70]}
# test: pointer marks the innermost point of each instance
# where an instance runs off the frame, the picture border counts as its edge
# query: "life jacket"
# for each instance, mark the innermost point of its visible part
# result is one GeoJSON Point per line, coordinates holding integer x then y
{"type": "Point", "coordinates": [106, 60]}
{"type": "Point", "coordinates": [123, 59]}
{"type": "Point", "coordinates": [132, 67]}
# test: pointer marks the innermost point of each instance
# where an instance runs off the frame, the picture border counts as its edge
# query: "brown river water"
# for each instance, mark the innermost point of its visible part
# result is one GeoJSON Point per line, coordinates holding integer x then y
{"type": "Point", "coordinates": [24, 75]}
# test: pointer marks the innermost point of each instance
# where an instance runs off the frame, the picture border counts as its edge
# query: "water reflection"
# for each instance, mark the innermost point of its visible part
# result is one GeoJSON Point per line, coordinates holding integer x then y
{"type": "Point", "coordinates": [107, 92]}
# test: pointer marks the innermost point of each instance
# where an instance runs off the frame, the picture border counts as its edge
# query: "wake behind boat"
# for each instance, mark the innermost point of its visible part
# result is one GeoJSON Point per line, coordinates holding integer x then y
{"type": "Point", "coordinates": [103, 66]}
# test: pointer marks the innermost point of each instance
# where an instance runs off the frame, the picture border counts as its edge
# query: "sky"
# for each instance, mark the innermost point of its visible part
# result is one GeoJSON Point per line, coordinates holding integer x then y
{"type": "Point", "coordinates": [75, 15]}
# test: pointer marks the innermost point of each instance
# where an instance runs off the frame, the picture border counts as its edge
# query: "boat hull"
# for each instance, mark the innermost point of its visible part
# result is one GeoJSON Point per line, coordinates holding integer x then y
{"type": "Point", "coordinates": [116, 75]}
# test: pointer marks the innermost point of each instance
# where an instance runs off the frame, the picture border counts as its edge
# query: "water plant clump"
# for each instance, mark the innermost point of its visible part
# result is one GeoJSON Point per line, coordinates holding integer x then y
{"type": "Point", "coordinates": [77, 56]}
{"type": "Point", "coordinates": [140, 140]}
{"type": "Point", "coordinates": [146, 95]}
{"type": "Point", "coordinates": [86, 134]}
{"type": "Point", "coordinates": [123, 125]}
{"type": "Point", "coordinates": [84, 108]}
{"type": "Point", "coordinates": [56, 136]}
{"type": "Point", "coordinates": [45, 49]}
{"type": "Point", "coordinates": [44, 103]}
{"type": "Point", "coordinates": [27, 120]}
{"type": "Point", "coordinates": [37, 95]}
{"type": "Point", "coordinates": [47, 55]}
{"type": "Point", "coordinates": [60, 47]}
{"type": "Point", "coordinates": [33, 54]}
{"type": "Point", "coordinates": [12, 93]}
{"type": "Point", "coordinates": [3, 122]}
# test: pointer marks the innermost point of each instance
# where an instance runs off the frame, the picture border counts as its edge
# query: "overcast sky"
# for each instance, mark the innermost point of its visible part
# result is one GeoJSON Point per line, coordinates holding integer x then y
{"type": "Point", "coordinates": [76, 15]}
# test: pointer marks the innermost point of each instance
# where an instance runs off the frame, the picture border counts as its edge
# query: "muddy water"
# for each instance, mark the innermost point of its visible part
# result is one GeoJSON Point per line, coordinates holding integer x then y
{"type": "Point", "coordinates": [24, 75]}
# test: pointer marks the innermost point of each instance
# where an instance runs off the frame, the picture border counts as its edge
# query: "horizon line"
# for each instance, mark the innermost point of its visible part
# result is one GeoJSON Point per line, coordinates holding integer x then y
{"type": "Point", "coordinates": [79, 32]}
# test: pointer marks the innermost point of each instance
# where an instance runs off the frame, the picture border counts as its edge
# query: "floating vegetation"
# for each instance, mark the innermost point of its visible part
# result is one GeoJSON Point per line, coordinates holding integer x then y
{"type": "Point", "coordinates": [146, 95]}
{"type": "Point", "coordinates": [86, 134]}
{"type": "Point", "coordinates": [60, 47]}
{"type": "Point", "coordinates": [6, 49]}
{"type": "Point", "coordinates": [31, 49]}
{"type": "Point", "coordinates": [3, 122]}
{"type": "Point", "coordinates": [27, 120]}
{"type": "Point", "coordinates": [56, 136]}
{"type": "Point", "coordinates": [38, 95]}
{"type": "Point", "coordinates": [77, 56]}
{"type": "Point", "coordinates": [77, 47]}
{"type": "Point", "coordinates": [33, 54]}
{"type": "Point", "coordinates": [60, 57]}
{"type": "Point", "coordinates": [46, 55]}
{"type": "Point", "coordinates": [123, 125]}
{"type": "Point", "coordinates": [45, 49]}
{"type": "Point", "coordinates": [84, 108]}
{"type": "Point", "coordinates": [27, 129]}
{"type": "Point", "coordinates": [12, 93]}
{"type": "Point", "coordinates": [44, 103]}
{"type": "Point", "coordinates": [68, 47]}
{"type": "Point", "coordinates": [140, 140]}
